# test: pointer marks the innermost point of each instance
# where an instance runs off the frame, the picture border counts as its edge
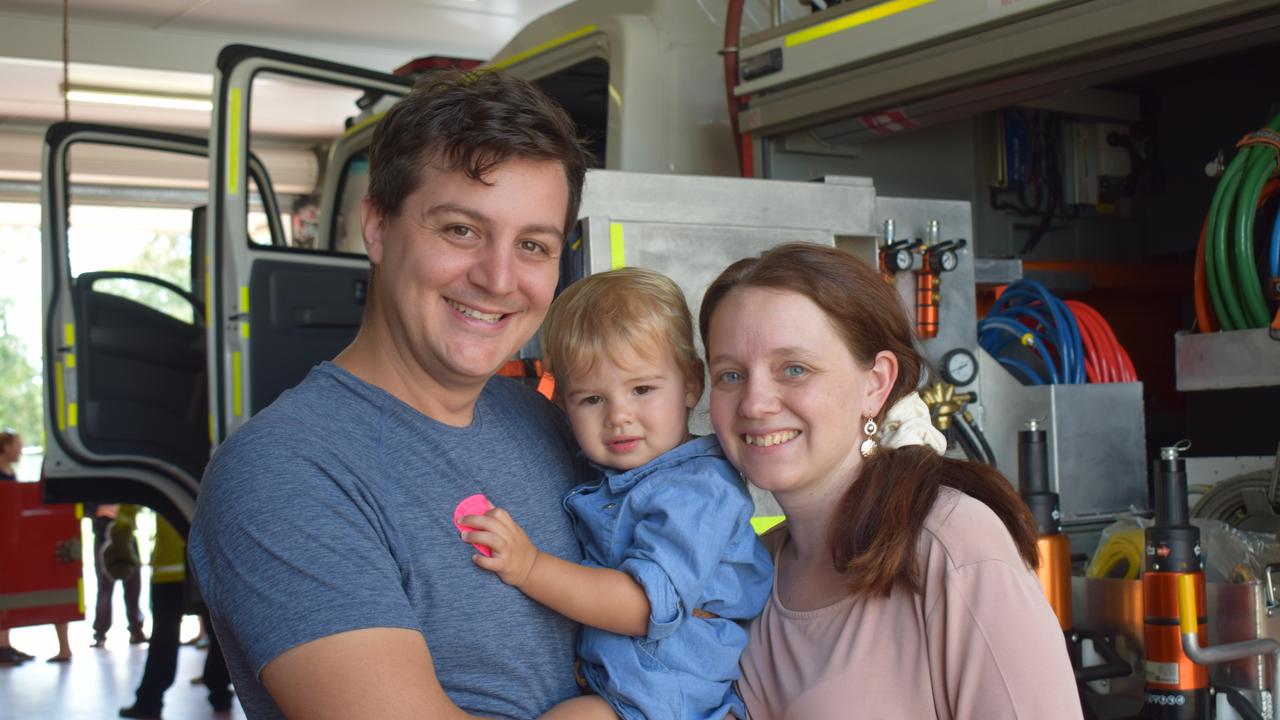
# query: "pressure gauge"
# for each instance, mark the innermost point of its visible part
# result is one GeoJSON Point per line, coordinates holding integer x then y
{"type": "Point", "coordinates": [959, 367]}
{"type": "Point", "coordinates": [898, 260]}
{"type": "Point", "coordinates": [947, 261]}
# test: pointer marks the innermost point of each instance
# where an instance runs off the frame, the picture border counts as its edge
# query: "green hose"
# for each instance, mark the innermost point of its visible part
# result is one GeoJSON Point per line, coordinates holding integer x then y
{"type": "Point", "coordinates": [1241, 303]}
{"type": "Point", "coordinates": [1230, 314]}
{"type": "Point", "coordinates": [1262, 162]}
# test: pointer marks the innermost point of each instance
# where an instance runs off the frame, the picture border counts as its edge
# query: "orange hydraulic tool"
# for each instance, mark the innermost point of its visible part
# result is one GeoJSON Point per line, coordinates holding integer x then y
{"type": "Point", "coordinates": [938, 257]}
{"type": "Point", "coordinates": [1055, 549]}
{"type": "Point", "coordinates": [1177, 687]}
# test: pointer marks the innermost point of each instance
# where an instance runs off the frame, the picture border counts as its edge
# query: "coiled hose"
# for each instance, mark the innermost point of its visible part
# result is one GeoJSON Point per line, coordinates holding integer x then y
{"type": "Point", "coordinates": [1234, 288]}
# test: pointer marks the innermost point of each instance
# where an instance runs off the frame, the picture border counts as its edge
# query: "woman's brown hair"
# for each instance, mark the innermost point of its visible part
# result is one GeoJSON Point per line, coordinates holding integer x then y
{"type": "Point", "coordinates": [876, 526]}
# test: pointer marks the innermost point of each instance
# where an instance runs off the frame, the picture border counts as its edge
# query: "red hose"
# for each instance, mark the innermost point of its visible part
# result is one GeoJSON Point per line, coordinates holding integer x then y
{"type": "Point", "coordinates": [1103, 352]}
{"type": "Point", "coordinates": [732, 33]}
{"type": "Point", "coordinates": [1206, 319]}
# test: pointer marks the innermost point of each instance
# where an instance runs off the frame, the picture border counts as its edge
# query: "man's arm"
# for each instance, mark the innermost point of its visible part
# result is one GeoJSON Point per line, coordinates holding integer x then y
{"type": "Point", "coordinates": [375, 673]}
{"type": "Point", "coordinates": [602, 598]}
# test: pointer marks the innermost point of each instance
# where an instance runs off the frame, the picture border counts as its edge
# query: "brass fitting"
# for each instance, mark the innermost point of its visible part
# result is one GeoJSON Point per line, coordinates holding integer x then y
{"type": "Point", "coordinates": [944, 401]}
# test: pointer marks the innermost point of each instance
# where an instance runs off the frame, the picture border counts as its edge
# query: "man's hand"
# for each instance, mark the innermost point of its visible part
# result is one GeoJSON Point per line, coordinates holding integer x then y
{"type": "Point", "coordinates": [513, 554]}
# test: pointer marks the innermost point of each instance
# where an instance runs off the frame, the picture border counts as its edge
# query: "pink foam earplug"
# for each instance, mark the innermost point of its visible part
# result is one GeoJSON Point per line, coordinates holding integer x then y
{"type": "Point", "coordinates": [476, 504]}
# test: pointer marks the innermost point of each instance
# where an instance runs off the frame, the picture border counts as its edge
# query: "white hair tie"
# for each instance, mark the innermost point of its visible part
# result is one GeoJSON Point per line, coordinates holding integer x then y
{"type": "Point", "coordinates": [908, 423]}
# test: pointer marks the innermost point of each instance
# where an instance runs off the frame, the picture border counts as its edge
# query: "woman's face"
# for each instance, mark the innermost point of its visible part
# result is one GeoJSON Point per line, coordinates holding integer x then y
{"type": "Point", "coordinates": [13, 450]}
{"type": "Point", "coordinates": [788, 399]}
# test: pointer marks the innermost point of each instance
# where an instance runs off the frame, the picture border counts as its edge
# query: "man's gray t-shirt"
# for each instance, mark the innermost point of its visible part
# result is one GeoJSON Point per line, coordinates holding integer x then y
{"type": "Point", "coordinates": [332, 510]}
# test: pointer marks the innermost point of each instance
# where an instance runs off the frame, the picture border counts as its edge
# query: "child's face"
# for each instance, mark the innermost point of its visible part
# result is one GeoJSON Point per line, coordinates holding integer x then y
{"type": "Point", "coordinates": [625, 416]}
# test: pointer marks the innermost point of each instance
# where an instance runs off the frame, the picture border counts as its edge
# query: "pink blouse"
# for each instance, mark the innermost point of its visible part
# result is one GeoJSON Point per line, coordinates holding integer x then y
{"type": "Point", "coordinates": [980, 643]}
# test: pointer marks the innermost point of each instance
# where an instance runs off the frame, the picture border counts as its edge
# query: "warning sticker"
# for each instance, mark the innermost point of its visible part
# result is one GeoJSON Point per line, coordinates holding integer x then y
{"type": "Point", "coordinates": [1162, 673]}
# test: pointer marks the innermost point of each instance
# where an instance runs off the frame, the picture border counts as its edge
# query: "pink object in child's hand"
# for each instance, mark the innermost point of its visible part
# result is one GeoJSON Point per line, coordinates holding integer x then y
{"type": "Point", "coordinates": [476, 504]}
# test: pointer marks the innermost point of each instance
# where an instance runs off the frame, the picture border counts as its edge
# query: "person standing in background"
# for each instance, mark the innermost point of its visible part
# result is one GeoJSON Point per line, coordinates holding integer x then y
{"type": "Point", "coordinates": [168, 576]}
{"type": "Point", "coordinates": [103, 515]}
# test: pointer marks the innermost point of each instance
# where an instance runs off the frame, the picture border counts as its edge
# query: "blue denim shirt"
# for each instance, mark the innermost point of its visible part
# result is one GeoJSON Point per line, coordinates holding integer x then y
{"type": "Point", "coordinates": [680, 525]}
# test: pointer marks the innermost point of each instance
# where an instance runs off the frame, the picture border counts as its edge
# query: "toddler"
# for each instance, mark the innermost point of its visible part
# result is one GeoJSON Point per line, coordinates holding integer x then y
{"type": "Point", "coordinates": [672, 568]}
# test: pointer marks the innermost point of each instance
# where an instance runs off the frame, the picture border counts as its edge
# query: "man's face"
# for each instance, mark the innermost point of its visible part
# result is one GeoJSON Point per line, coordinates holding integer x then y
{"type": "Point", "coordinates": [466, 270]}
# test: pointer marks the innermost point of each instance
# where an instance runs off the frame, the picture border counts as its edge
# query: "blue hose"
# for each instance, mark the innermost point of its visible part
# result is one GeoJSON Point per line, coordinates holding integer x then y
{"type": "Point", "coordinates": [1275, 246]}
{"type": "Point", "coordinates": [1027, 307]}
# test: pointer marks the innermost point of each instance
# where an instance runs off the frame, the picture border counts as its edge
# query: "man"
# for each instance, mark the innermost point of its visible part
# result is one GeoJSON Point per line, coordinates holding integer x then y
{"type": "Point", "coordinates": [324, 541]}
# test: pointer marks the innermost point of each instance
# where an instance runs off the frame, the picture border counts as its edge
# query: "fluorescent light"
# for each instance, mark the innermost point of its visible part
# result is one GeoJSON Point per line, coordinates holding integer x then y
{"type": "Point", "coordinates": [138, 98]}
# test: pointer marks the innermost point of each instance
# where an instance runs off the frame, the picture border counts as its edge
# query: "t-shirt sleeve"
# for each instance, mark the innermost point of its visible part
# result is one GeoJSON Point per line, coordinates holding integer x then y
{"type": "Point", "coordinates": [287, 549]}
{"type": "Point", "coordinates": [688, 520]}
{"type": "Point", "coordinates": [996, 650]}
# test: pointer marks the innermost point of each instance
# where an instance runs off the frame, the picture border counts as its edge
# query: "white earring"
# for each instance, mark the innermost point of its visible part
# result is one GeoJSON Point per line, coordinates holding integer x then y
{"type": "Point", "coordinates": [869, 444]}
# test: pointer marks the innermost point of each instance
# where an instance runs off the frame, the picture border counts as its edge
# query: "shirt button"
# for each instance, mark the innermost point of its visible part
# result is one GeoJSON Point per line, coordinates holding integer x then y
{"type": "Point", "coordinates": [610, 506]}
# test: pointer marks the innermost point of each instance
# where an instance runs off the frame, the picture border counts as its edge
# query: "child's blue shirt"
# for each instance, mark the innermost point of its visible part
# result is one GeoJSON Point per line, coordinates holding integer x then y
{"type": "Point", "coordinates": [680, 525]}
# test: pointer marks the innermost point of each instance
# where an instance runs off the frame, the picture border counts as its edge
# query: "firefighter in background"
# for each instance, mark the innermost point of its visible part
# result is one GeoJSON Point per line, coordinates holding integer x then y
{"type": "Point", "coordinates": [168, 605]}
{"type": "Point", "coordinates": [103, 515]}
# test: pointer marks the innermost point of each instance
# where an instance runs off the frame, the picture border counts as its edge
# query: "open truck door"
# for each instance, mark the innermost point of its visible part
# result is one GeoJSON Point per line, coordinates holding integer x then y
{"type": "Point", "coordinates": [126, 390]}
{"type": "Point", "coordinates": [275, 311]}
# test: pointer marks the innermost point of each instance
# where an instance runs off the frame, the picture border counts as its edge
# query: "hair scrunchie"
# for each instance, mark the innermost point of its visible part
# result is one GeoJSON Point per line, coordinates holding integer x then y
{"type": "Point", "coordinates": [908, 423]}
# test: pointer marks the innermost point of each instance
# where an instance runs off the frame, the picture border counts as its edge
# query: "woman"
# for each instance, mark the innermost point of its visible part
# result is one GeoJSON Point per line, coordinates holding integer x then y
{"type": "Point", "coordinates": [904, 584]}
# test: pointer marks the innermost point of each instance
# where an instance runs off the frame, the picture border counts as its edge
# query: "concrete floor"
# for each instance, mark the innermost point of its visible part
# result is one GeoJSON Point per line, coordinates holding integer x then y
{"type": "Point", "coordinates": [98, 682]}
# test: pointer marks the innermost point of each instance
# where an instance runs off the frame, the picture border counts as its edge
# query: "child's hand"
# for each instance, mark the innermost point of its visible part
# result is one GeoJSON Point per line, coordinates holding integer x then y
{"type": "Point", "coordinates": [513, 554]}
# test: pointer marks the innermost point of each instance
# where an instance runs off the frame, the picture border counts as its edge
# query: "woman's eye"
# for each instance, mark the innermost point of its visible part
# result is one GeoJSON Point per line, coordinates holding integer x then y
{"type": "Point", "coordinates": [460, 231]}
{"type": "Point", "coordinates": [794, 371]}
{"type": "Point", "coordinates": [730, 376]}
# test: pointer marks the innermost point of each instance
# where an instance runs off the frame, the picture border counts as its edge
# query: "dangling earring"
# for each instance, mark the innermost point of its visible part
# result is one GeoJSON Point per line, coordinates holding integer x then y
{"type": "Point", "coordinates": [869, 445]}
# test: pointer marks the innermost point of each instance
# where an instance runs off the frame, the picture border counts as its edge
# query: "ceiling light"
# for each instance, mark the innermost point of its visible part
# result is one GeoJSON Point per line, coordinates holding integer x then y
{"type": "Point", "coordinates": [139, 98]}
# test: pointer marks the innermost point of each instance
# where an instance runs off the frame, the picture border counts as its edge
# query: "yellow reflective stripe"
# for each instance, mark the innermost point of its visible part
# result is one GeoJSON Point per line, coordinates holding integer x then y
{"type": "Point", "coordinates": [61, 394]}
{"type": "Point", "coordinates": [244, 310]}
{"type": "Point", "coordinates": [174, 568]}
{"type": "Point", "coordinates": [233, 143]}
{"type": "Point", "coordinates": [852, 20]}
{"type": "Point", "coordinates": [69, 335]}
{"type": "Point", "coordinates": [79, 511]}
{"type": "Point", "coordinates": [617, 247]}
{"type": "Point", "coordinates": [539, 49]}
{"type": "Point", "coordinates": [237, 385]}
{"type": "Point", "coordinates": [357, 127]}
{"type": "Point", "coordinates": [71, 360]}
{"type": "Point", "coordinates": [80, 592]}
{"type": "Point", "coordinates": [73, 415]}
{"type": "Point", "coordinates": [1187, 604]}
{"type": "Point", "coordinates": [764, 523]}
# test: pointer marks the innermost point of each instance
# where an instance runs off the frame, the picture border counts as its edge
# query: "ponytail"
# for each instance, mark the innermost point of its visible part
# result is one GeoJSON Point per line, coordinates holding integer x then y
{"type": "Point", "coordinates": [876, 527]}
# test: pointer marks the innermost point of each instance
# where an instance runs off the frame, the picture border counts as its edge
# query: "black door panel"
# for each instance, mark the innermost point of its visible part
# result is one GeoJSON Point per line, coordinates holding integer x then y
{"type": "Point", "coordinates": [299, 315]}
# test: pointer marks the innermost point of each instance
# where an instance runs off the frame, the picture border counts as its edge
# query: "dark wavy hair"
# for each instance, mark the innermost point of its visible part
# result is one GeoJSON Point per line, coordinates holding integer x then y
{"type": "Point", "coordinates": [876, 526]}
{"type": "Point", "coordinates": [474, 122]}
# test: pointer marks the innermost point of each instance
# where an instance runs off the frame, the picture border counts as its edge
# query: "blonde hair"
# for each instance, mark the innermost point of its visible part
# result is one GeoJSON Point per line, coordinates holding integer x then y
{"type": "Point", "coordinates": [615, 315]}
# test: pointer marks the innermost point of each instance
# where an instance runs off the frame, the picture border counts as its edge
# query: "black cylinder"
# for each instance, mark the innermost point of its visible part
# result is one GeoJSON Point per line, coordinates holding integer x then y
{"type": "Point", "coordinates": [1033, 481]}
{"type": "Point", "coordinates": [1173, 543]}
{"type": "Point", "coordinates": [1176, 704]}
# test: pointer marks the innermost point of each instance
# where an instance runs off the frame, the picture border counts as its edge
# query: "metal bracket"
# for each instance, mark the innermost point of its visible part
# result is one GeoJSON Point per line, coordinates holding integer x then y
{"type": "Point", "coordinates": [1268, 573]}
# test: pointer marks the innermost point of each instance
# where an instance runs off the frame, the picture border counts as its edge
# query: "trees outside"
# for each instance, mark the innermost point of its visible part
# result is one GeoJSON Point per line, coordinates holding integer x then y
{"type": "Point", "coordinates": [21, 383]}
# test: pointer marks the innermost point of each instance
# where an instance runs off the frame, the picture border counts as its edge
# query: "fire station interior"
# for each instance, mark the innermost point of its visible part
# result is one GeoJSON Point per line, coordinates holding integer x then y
{"type": "Point", "coordinates": [1085, 234]}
